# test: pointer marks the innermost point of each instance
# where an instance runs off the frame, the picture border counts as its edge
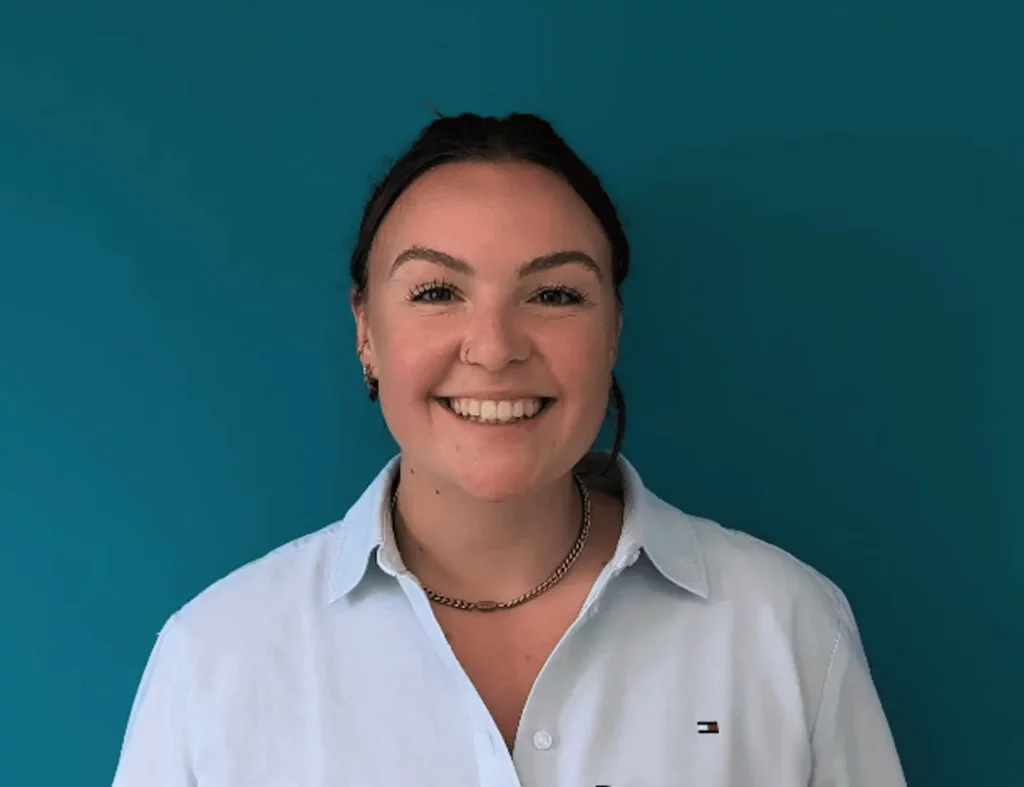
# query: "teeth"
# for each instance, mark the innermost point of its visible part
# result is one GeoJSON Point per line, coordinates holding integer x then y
{"type": "Point", "coordinates": [496, 412]}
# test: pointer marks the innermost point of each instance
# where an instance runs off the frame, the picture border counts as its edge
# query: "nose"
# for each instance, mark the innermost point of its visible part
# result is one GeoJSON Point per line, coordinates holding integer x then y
{"type": "Point", "coordinates": [494, 339]}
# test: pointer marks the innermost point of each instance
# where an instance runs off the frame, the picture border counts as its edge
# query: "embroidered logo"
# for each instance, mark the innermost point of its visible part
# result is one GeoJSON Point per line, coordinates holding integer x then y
{"type": "Point", "coordinates": [707, 727]}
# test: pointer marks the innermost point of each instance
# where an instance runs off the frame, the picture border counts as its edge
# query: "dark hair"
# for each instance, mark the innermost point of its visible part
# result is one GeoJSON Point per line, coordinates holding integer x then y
{"type": "Point", "coordinates": [516, 137]}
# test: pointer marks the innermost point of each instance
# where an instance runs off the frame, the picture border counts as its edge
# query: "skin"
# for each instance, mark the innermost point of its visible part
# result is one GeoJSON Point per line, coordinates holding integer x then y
{"type": "Point", "coordinates": [485, 510]}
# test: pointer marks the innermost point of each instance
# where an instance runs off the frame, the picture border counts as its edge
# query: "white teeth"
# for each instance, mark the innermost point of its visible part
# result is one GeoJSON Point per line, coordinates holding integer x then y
{"type": "Point", "coordinates": [495, 411]}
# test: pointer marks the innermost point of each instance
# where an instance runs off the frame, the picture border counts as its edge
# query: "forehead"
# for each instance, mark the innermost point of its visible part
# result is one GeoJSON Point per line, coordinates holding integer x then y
{"type": "Point", "coordinates": [491, 211]}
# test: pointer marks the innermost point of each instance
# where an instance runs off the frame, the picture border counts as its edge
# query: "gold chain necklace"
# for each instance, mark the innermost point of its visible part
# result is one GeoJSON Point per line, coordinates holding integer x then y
{"type": "Point", "coordinates": [558, 574]}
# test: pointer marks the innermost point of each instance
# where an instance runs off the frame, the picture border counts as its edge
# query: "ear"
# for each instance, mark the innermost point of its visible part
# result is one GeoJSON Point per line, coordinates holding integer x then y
{"type": "Point", "coordinates": [364, 347]}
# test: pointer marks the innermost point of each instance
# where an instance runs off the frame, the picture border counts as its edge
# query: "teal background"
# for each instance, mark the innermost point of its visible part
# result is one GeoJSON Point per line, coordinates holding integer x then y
{"type": "Point", "coordinates": [823, 334]}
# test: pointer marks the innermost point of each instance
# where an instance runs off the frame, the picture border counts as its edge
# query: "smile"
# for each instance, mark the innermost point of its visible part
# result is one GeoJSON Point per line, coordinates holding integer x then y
{"type": "Point", "coordinates": [493, 411]}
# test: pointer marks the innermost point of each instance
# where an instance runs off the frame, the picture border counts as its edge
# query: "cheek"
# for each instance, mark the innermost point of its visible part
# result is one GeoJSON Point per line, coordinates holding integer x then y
{"type": "Point", "coordinates": [411, 370]}
{"type": "Point", "coordinates": [581, 359]}
{"type": "Point", "coordinates": [412, 358]}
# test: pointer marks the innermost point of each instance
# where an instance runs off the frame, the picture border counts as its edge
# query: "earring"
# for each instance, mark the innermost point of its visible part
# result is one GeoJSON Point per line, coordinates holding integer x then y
{"type": "Point", "coordinates": [371, 382]}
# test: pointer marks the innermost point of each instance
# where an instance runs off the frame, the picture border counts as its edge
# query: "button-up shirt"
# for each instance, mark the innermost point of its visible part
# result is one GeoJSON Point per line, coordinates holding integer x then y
{"type": "Point", "coordinates": [702, 656]}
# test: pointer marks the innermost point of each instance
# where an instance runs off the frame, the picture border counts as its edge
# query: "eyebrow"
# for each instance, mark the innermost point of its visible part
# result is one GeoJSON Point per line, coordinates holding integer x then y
{"type": "Point", "coordinates": [543, 263]}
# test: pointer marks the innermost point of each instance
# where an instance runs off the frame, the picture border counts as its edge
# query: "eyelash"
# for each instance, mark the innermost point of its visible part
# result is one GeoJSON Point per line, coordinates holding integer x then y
{"type": "Point", "coordinates": [422, 293]}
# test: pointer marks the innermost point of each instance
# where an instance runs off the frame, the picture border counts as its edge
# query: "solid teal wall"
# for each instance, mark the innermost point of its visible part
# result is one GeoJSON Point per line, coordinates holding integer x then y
{"type": "Point", "coordinates": [822, 346]}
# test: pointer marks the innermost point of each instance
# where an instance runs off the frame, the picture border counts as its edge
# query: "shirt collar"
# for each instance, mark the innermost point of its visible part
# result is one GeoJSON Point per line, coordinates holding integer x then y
{"type": "Point", "coordinates": [664, 533]}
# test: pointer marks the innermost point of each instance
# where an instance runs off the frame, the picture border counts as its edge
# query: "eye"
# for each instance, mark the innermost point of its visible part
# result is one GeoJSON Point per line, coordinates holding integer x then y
{"type": "Point", "coordinates": [559, 296]}
{"type": "Point", "coordinates": [432, 292]}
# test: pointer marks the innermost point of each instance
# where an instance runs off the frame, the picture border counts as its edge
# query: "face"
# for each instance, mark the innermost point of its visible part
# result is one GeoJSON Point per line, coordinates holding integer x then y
{"type": "Point", "coordinates": [491, 322]}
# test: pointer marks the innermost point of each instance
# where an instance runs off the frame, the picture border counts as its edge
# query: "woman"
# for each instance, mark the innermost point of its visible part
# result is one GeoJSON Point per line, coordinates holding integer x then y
{"type": "Point", "coordinates": [502, 607]}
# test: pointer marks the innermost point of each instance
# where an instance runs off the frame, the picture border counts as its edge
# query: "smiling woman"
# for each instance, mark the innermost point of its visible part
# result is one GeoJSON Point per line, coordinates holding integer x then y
{"type": "Point", "coordinates": [503, 605]}
{"type": "Point", "coordinates": [489, 280]}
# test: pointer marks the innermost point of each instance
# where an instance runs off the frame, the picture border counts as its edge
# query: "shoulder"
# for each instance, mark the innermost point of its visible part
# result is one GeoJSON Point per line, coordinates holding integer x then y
{"type": "Point", "coordinates": [764, 579]}
{"type": "Point", "coordinates": [264, 598]}
{"type": "Point", "coordinates": [741, 562]}
{"type": "Point", "coordinates": [725, 565]}
{"type": "Point", "coordinates": [283, 594]}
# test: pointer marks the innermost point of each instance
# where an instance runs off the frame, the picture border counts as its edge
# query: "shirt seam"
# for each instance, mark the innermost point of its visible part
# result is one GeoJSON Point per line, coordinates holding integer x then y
{"type": "Point", "coordinates": [831, 663]}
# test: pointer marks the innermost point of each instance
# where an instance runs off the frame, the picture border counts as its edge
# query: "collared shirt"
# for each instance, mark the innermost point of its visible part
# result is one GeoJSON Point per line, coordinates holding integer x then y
{"type": "Point", "coordinates": [702, 656]}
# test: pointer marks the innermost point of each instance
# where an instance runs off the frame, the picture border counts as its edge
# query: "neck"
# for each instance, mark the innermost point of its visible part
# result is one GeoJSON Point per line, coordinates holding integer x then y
{"type": "Point", "coordinates": [460, 546]}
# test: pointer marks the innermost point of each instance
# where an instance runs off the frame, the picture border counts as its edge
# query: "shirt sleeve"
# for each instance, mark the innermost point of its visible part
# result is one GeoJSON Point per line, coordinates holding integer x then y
{"type": "Point", "coordinates": [154, 752]}
{"type": "Point", "coordinates": [852, 745]}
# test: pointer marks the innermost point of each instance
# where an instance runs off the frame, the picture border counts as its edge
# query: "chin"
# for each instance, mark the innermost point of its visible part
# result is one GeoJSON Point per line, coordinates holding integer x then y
{"type": "Point", "coordinates": [496, 480]}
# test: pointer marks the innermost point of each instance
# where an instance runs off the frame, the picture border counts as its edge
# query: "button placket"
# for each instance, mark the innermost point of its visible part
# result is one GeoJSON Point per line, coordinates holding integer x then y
{"type": "Point", "coordinates": [484, 744]}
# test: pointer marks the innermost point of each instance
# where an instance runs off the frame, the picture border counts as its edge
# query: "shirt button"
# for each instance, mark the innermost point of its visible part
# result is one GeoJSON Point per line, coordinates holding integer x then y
{"type": "Point", "coordinates": [542, 740]}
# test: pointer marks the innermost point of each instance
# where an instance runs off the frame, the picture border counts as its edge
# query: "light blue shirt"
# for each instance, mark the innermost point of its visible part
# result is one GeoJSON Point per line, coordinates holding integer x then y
{"type": "Point", "coordinates": [702, 656]}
